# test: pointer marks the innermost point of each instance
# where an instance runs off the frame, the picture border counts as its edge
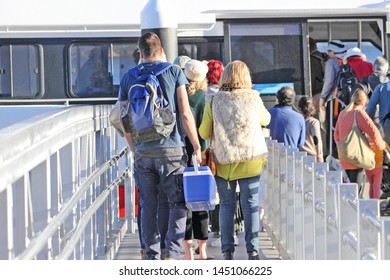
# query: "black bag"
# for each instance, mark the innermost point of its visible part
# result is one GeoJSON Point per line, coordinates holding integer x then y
{"type": "Point", "coordinates": [346, 83]}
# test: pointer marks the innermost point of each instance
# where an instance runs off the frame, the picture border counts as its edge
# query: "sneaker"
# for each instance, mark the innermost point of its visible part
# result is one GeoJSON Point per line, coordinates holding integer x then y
{"type": "Point", "coordinates": [227, 255]}
{"type": "Point", "coordinates": [236, 240]}
{"type": "Point", "coordinates": [253, 255]}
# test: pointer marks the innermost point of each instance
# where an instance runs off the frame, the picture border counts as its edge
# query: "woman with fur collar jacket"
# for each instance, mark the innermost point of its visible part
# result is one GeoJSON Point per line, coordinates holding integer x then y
{"type": "Point", "coordinates": [236, 113]}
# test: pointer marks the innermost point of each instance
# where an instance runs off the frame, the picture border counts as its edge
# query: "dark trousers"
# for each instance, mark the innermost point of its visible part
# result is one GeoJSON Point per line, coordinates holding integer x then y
{"type": "Point", "coordinates": [197, 225]}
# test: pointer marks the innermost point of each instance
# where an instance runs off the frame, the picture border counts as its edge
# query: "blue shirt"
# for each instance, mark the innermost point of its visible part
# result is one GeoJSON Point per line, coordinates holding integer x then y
{"type": "Point", "coordinates": [169, 81]}
{"type": "Point", "coordinates": [287, 126]}
{"type": "Point", "coordinates": [381, 96]}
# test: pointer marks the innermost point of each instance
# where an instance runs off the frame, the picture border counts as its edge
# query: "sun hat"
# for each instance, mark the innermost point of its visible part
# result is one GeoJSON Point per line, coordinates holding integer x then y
{"type": "Point", "coordinates": [181, 61]}
{"type": "Point", "coordinates": [337, 47]}
{"type": "Point", "coordinates": [352, 52]}
{"type": "Point", "coordinates": [195, 70]}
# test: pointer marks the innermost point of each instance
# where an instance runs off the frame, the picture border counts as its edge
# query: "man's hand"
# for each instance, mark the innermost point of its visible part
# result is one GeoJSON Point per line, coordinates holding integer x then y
{"type": "Point", "coordinates": [198, 155]}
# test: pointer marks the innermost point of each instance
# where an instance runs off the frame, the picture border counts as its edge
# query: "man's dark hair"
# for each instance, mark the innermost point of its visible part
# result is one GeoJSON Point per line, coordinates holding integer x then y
{"type": "Point", "coordinates": [286, 96]}
{"type": "Point", "coordinates": [149, 44]}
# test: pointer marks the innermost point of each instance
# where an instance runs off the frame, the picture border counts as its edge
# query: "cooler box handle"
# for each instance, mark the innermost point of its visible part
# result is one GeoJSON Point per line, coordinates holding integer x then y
{"type": "Point", "coordinates": [195, 164]}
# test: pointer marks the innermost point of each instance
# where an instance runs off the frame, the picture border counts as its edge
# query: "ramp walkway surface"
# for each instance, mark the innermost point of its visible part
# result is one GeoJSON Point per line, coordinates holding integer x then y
{"type": "Point", "coordinates": [130, 248]}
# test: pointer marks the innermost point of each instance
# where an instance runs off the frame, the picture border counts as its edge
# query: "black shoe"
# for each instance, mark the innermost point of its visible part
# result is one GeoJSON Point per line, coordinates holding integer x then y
{"type": "Point", "coordinates": [227, 255]}
{"type": "Point", "coordinates": [253, 256]}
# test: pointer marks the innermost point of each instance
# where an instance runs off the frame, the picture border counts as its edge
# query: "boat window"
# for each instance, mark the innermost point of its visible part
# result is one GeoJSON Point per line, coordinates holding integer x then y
{"type": "Point", "coordinates": [272, 52]}
{"type": "Point", "coordinates": [201, 49]}
{"type": "Point", "coordinates": [21, 71]}
{"type": "Point", "coordinates": [96, 69]}
{"type": "Point", "coordinates": [364, 34]}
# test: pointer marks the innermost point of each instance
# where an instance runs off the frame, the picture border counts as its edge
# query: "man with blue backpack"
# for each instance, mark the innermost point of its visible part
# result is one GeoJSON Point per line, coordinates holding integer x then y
{"type": "Point", "coordinates": [156, 116]}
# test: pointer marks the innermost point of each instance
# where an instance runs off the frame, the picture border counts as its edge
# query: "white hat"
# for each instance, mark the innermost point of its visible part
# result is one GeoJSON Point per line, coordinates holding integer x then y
{"type": "Point", "coordinates": [353, 52]}
{"type": "Point", "coordinates": [181, 61]}
{"type": "Point", "coordinates": [337, 47]}
{"type": "Point", "coordinates": [195, 70]}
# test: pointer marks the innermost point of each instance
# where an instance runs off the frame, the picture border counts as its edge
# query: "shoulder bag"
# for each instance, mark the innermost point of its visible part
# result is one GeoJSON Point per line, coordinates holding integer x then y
{"type": "Point", "coordinates": [354, 148]}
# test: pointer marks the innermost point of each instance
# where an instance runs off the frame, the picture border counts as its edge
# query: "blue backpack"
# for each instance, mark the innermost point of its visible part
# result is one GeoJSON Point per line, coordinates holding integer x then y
{"type": "Point", "coordinates": [148, 113]}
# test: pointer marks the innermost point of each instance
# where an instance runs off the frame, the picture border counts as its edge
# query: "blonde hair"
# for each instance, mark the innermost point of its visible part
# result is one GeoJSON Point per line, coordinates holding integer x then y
{"type": "Point", "coordinates": [192, 86]}
{"type": "Point", "coordinates": [236, 75]}
{"type": "Point", "coordinates": [359, 97]}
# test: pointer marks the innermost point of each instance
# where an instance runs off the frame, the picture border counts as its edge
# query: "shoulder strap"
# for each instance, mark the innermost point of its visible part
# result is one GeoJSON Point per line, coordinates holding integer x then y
{"type": "Point", "coordinates": [354, 119]}
{"type": "Point", "coordinates": [161, 68]}
{"type": "Point", "coordinates": [157, 69]}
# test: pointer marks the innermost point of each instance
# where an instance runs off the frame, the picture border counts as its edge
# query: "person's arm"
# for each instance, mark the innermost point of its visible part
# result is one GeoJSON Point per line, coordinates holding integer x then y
{"type": "Point", "coordinates": [265, 115]}
{"type": "Point", "coordinates": [316, 132]}
{"type": "Point", "coordinates": [302, 136]}
{"type": "Point", "coordinates": [205, 126]}
{"type": "Point", "coordinates": [336, 135]}
{"type": "Point", "coordinates": [328, 84]}
{"type": "Point", "coordinates": [187, 121]}
{"type": "Point", "coordinates": [366, 125]}
{"type": "Point", "coordinates": [371, 107]}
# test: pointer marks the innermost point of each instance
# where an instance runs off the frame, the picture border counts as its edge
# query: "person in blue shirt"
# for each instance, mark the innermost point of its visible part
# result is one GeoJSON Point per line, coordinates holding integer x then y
{"type": "Point", "coordinates": [381, 97]}
{"type": "Point", "coordinates": [159, 165]}
{"type": "Point", "coordinates": [287, 126]}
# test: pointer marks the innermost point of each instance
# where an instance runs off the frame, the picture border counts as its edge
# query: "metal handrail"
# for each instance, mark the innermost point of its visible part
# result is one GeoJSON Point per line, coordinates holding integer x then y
{"type": "Point", "coordinates": [41, 240]}
{"type": "Point", "coordinates": [71, 244]}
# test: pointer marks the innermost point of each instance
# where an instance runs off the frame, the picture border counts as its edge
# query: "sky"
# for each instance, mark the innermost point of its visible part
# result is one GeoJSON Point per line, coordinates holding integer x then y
{"type": "Point", "coordinates": [37, 12]}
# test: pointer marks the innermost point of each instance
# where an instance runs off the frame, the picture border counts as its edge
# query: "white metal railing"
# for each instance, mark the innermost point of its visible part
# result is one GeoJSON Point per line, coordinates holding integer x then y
{"type": "Point", "coordinates": [311, 214]}
{"type": "Point", "coordinates": [59, 173]}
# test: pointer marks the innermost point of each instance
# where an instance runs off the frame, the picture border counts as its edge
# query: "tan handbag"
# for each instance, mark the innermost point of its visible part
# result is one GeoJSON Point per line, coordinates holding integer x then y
{"type": "Point", "coordinates": [114, 118]}
{"type": "Point", "coordinates": [354, 148]}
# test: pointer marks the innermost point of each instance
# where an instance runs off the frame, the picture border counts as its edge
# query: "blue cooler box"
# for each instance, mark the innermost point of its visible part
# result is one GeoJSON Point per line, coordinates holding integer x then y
{"type": "Point", "coordinates": [199, 188]}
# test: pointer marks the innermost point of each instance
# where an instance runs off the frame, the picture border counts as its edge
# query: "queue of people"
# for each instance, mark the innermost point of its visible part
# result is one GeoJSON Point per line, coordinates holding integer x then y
{"type": "Point", "coordinates": [209, 97]}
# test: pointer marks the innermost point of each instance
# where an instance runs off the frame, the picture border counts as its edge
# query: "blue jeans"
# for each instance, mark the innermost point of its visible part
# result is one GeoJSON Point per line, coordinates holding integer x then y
{"type": "Point", "coordinates": [249, 188]}
{"type": "Point", "coordinates": [154, 176]}
{"type": "Point", "coordinates": [163, 218]}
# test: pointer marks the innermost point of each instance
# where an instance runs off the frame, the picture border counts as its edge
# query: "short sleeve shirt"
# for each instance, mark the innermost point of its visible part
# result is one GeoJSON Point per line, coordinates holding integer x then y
{"type": "Point", "coordinates": [169, 81]}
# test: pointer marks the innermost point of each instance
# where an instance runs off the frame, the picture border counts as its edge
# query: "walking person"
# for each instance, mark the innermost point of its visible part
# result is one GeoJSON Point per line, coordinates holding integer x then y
{"type": "Point", "coordinates": [313, 141]}
{"type": "Point", "coordinates": [236, 114]}
{"type": "Point", "coordinates": [213, 76]}
{"type": "Point", "coordinates": [317, 71]}
{"type": "Point", "coordinates": [356, 110]}
{"type": "Point", "coordinates": [158, 165]}
{"type": "Point", "coordinates": [381, 98]}
{"type": "Point", "coordinates": [287, 126]}
{"type": "Point", "coordinates": [197, 221]}
{"type": "Point", "coordinates": [336, 52]}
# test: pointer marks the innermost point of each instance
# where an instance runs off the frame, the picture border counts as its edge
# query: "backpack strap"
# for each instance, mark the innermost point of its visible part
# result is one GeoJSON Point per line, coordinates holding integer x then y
{"type": "Point", "coordinates": [156, 69]}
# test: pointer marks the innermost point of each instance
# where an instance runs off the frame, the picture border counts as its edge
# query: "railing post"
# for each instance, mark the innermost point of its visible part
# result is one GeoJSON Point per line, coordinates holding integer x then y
{"type": "Point", "coordinates": [385, 239]}
{"type": "Point", "coordinates": [269, 185]}
{"type": "Point", "coordinates": [283, 197]}
{"type": "Point", "coordinates": [298, 205]}
{"type": "Point", "coordinates": [308, 207]}
{"type": "Point", "coordinates": [369, 229]}
{"type": "Point", "coordinates": [349, 221]}
{"type": "Point", "coordinates": [290, 242]}
{"type": "Point", "coordinates": [320, 170]}
{"type": "Point", "coordinates": [333, 178]}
